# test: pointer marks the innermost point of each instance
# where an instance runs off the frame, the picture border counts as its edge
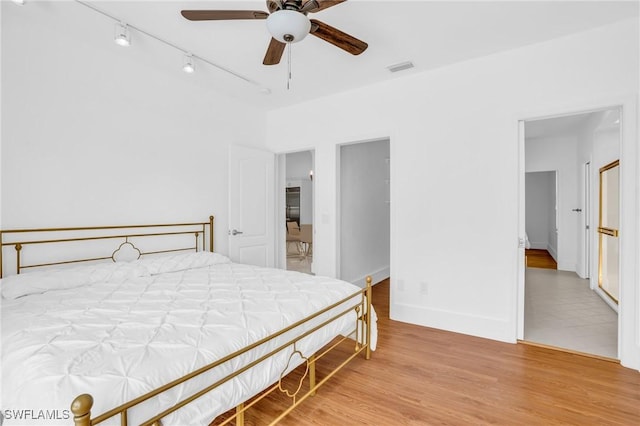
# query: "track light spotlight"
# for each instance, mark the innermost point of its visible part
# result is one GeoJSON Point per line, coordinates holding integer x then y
{"type": "Point", "coordinates": [123, 38]}
{"type": "Point", "coordinates": [188, 65]}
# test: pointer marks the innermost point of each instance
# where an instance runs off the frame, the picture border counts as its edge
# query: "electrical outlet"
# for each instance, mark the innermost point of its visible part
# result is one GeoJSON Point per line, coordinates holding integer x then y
{"type": "Point", "coordinates": [424, 288]}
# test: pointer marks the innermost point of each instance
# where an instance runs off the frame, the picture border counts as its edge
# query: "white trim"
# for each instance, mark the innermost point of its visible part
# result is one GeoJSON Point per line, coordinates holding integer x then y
{"type": "Point", "coordinates": [459, 322]}
{"type": "Point", "coordinates": [518, 310]}
{"type": "Point", "coordinates": [604, 296]}
{"type": "Point", "coordinates": [279, 214]}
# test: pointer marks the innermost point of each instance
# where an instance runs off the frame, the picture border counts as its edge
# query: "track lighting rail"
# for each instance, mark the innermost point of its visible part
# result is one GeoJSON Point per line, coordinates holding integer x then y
{"type": "Point", "coordinates": [186, 52]}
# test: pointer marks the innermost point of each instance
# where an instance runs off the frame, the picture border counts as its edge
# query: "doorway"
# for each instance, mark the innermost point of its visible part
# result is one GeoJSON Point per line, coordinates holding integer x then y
{"type": "Point", "coordinates": [563, 308]}
{"type": "Point", "coordinates": [541, 218]}
{"type": "Point", "coordinates": [364, 225]}
{"type": "Point", "coordinates": [298, 211]}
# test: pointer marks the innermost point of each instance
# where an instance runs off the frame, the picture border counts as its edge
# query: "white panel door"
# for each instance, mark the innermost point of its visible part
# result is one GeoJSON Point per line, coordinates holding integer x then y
{"type": "Point", "coordinates": [251, 206]}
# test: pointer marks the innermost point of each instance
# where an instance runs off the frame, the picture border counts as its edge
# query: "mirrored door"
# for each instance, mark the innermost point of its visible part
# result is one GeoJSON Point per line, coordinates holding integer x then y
{"type": "Point", "coordinates": [608, 230]}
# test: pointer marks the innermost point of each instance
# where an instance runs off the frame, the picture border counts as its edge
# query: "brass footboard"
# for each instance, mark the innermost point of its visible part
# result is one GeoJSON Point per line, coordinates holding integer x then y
{"type": "Point", "coordinates": [81, 406]}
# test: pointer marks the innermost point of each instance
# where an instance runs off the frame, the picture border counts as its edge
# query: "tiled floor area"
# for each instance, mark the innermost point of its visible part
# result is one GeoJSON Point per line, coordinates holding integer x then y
{"type": "Point", "coordinates": [560, 310]}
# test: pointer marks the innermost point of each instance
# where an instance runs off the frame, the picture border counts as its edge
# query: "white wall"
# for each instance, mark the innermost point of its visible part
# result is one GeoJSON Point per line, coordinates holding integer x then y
{"type": "Point", "coordinates": [298, 165]}
{"type": "Point", "coordinates": [540, 210]}
{"type": "Point", "coordinates": [559, 153]}
{"type": "Point", "coordinates": [454, 176]}
{"type": "Point", "coordinates": [93, 133]}
{"type": "Point", "coordinates": [364, 211]}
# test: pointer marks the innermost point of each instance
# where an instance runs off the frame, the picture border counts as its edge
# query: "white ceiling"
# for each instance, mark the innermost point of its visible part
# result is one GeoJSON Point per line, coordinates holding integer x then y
{"type": "Point", "coordinates": [556, 126]}
{"type": "Point", "coordinates": [430, 33]}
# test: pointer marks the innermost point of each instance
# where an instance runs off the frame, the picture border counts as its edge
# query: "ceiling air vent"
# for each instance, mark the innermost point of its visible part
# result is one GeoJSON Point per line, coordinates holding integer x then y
{"type": "Point", "coordinates": [401, 66]}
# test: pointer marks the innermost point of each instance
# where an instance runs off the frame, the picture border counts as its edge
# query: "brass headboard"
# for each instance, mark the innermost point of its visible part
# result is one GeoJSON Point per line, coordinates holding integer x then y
{"type": "Point", "coordinates": [19, 239]}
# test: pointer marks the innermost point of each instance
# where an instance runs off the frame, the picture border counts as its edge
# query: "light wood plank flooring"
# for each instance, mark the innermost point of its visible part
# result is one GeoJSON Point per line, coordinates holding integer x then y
{"type": "Point", "coordinates": [423, 376]}
{"type": "Point", "coordinates": [540, 259]}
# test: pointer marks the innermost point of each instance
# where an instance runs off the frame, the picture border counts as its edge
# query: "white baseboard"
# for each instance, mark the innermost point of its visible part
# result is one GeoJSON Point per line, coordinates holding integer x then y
{"type": "Point", "coordinates": [552, 252]}
{"type": "Point", "coordinates": [376, 277]}
{"type": "Point", "coordinates": [608, 300]}
{"type": "Point", "coordinates": [567, 266]}
{"type": "Point", "coordinates": [474, 325]}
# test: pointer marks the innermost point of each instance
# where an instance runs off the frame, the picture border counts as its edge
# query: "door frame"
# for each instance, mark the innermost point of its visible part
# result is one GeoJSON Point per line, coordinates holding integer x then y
{"type": "Point", "coordinates": [629, 309]}
{"type": "Point", "coordinates": [586, 222]}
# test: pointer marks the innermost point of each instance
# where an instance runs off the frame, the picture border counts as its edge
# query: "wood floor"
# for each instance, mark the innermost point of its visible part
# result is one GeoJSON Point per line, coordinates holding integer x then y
{"type": "Point", "coordinates": [540, 259]}
{"type": "Point", "coordinates": [423, 376]}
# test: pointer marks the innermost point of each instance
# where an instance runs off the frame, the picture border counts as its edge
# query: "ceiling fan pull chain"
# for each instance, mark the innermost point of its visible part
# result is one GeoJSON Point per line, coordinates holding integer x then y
{"type": "Point", "coordinates": [288, 64]}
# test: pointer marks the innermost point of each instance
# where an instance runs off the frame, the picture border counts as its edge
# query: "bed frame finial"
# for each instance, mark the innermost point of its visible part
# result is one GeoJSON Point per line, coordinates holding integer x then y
{"type": "Point", "coordinates": [81, 408]}
{"type": "Point", "coordinates": [211, 218]}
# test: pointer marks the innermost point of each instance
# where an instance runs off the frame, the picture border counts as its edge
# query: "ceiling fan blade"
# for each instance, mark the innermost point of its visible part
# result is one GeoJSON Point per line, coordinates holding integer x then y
{"type": "Point", "coordinates": [274, 52]}
{"type": "Point", "coordinates": [338, 38]}
{"type": "Point", "coordinates": [314, 6]}
{"type": "Point", "coordinates": [222, 15]}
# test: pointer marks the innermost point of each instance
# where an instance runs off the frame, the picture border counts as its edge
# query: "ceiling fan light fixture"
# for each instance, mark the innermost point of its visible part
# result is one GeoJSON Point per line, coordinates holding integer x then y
{"type": "Point", "coordinates": [288, 26]}
{"type": "Point", "coordinates": [122, 37]}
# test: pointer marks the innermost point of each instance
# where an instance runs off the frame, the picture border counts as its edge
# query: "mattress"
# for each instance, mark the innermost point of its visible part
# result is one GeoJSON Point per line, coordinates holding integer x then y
{"type": "Point", "coordinates": [121, 330]}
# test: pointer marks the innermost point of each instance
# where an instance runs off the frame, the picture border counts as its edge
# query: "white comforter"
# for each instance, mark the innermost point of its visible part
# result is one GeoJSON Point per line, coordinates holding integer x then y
{"type": "Point", "coordinates": [119, 335]}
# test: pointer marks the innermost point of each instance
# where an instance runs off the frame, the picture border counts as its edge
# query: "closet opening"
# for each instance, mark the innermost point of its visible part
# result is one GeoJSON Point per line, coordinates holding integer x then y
{"type": "Point", "coordinates": [364, 211]}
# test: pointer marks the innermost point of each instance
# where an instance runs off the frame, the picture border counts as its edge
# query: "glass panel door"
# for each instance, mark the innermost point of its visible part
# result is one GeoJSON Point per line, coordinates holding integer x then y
{"type": "Point", "coordinates": [608, 230]}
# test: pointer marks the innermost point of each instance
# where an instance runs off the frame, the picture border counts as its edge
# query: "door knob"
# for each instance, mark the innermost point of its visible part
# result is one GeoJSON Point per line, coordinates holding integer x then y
{"type": "Point", "coordinates": [235, 232]}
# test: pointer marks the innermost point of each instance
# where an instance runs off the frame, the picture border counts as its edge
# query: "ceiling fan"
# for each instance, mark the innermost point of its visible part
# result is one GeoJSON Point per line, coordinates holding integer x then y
{"type": "Point", "coordinates": [288, 23]}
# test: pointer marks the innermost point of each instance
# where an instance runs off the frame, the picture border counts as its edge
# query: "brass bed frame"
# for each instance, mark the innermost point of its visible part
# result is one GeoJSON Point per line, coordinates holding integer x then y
{"type": "Point", "coordinates": [202, 232]}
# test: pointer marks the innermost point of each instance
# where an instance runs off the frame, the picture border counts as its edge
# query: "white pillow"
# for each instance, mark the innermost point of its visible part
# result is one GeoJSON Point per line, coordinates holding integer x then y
{"type": "Point", "coordinates": [15, 286]}
{"type": "Point", "coordinates": [181, 261]}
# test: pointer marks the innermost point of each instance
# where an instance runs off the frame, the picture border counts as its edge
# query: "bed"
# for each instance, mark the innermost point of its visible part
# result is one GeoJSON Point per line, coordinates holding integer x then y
{"type": "Point", "coordinates": [162, 336]}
